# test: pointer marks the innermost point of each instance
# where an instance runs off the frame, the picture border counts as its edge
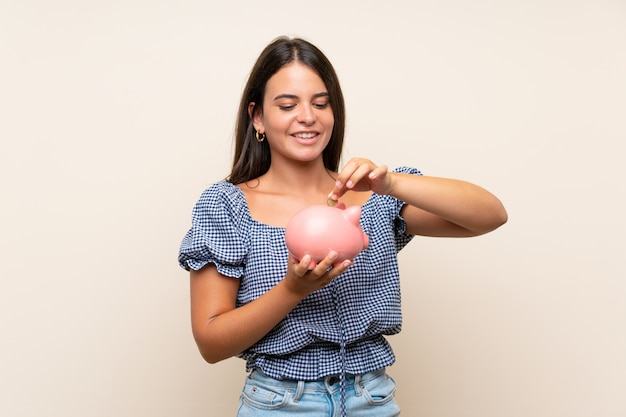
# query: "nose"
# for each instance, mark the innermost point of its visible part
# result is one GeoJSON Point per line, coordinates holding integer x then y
{"type": "Point", "coordinates": [306, 115]}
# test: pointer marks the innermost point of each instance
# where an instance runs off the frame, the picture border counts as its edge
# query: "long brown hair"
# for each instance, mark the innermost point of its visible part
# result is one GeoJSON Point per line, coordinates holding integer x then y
{"type": "Point", "coordinates": [252, 158]}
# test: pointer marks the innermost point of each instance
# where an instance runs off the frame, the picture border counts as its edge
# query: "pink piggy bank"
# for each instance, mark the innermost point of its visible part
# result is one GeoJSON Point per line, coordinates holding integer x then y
{"type": "Point", "coordinates": [318, 229]}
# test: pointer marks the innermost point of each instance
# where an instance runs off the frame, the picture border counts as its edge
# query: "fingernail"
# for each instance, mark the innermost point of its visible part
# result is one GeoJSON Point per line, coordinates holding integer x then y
{"type": "Point", "coordinates": [333, 255]}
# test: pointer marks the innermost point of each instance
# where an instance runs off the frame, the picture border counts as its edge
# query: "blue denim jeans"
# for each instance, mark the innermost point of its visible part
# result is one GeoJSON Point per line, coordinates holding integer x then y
{"type": "Point", "coordinates": [367, 395]}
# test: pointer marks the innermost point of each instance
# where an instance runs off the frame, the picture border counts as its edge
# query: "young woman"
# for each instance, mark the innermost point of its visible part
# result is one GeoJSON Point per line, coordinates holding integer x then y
{"type": "Point", "coordinates": [313, 337]}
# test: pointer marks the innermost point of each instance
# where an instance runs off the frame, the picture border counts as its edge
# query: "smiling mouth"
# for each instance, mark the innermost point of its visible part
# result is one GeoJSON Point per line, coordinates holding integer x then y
{"type": "Point", "coordinates": [305, 135]}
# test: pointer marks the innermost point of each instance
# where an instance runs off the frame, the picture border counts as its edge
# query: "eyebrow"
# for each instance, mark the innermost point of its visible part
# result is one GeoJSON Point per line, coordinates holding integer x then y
{"type": "Point", "coordinates": [280, 96]}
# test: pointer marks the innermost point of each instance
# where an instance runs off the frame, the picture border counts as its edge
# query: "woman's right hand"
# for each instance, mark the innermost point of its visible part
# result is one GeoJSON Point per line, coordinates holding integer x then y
{"type": "Point", "coordinates": [223, 330]}
{"type": "Point", "coordinates": [304, 278]}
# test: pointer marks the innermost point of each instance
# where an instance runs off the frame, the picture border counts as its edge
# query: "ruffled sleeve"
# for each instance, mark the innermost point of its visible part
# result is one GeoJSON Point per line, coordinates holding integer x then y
{"type": "Point", "coordinates": [216, 234]}
{"type": "Point", "coordinates": [402, 238]}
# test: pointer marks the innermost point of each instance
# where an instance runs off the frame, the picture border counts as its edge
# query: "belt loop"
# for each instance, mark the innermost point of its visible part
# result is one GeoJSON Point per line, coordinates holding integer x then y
{"type": "Point", "coordinates": [299, 392]}
{"type": "Point", "coordinates": [357, 385]}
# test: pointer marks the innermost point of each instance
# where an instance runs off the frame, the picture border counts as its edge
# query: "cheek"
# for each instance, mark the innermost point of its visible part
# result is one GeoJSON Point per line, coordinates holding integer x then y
{"type": "Point", "coordinates": [277, 121]}
{"type": "Point", "coordinates": [327, 119]}
{"type": "Point", "coordinates": [331, 123]}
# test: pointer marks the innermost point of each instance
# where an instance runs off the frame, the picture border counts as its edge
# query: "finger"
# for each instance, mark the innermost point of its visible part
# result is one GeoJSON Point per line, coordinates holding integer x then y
{"type": "Point", "coordinates": [359, 175]}
{"type": "Point", "coordinates": [379, 180]}
{"type": "Point", "coordinates": [327, 262]}
{"type": "Point", "coordinates": [340, 268]}
{"type": "Point", "coordinates": [302, 267]}
{"type": "Point", "coordinates": [343, 177]}
{"type": "Point", "coordinates": [379, 172]}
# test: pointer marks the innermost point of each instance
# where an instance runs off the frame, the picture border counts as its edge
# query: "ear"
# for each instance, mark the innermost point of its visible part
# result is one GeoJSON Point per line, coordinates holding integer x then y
{"type": "Point", "coordinates": [353, 214]}
{"type": "Point", "coordinates": [257, 118]}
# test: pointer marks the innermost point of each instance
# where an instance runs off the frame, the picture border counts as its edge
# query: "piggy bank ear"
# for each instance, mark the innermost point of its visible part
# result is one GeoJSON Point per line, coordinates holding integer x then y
{"type": "Point", "coordinates": [353, 214]}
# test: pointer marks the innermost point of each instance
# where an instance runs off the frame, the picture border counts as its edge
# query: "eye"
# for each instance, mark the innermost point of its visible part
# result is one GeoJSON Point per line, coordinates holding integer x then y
{"type": "Point", "coordinates": [287, 107]}
{"type": "Point", "coordinates": [321, 105]}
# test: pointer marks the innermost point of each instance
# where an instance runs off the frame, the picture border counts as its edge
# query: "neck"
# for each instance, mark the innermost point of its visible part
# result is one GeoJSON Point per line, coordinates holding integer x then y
{"type": "Point", "coordinates": [305, 177]}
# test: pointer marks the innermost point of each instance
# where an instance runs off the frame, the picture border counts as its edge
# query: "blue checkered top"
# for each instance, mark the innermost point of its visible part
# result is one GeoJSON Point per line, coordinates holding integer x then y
{"type": "Point", "coordinates": [339, 328]}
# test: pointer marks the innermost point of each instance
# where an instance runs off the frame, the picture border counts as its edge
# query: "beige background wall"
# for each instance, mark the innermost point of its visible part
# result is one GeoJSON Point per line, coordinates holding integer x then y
{"type": "Point", "coordinates": [115, 115]}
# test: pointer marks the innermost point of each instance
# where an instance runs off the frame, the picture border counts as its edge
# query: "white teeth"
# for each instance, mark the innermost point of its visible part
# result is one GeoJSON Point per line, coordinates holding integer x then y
{"type": "Point", "coordinates": [305, 135]}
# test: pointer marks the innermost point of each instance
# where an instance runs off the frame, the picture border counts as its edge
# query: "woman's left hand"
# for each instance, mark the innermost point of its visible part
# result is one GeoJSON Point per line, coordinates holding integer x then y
{"type": "Point", "coordinates": [361, 174]}
{"type": "Point", "coordinates": [433, 206]}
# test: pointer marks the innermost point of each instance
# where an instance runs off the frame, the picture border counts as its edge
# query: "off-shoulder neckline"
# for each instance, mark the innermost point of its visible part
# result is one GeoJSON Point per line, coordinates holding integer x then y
{"type": "Point", "coordinates": [242, 197]}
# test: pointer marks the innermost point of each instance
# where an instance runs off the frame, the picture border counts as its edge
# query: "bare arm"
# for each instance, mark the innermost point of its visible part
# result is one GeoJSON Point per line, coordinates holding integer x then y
{"type": "Point", "coordinates": [436, 206]}
{"type": "Point", "coordinates": [446, 207]}
{"type": "Point", "coordinates": [221, 330]}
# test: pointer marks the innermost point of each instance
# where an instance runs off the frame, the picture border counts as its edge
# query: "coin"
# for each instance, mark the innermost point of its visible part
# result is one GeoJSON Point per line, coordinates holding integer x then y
{"type": "Point", "coordinates": [330, 201]}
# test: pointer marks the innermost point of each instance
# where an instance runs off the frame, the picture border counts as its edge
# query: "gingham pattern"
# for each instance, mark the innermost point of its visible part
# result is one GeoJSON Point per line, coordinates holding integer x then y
{"type": "Point", "coordinates": [355, 310]}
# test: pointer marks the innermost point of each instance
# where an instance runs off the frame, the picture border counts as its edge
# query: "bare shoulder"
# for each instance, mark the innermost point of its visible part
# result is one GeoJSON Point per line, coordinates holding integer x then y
{"type": "Point", "coordinates": [275, 205]}
{"type": "Point", "coordinates": [269, 206]}
{"type": "Point", "coordinates": [353, 198]}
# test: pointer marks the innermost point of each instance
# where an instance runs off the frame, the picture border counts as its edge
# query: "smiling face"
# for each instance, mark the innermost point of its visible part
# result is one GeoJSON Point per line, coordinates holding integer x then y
{"type": "Point", "coordinates": [297, 117]}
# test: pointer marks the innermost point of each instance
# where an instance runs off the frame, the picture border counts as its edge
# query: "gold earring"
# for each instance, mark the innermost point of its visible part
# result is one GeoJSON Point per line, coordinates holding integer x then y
{"type": "Point", "coordinates": [260, 137]}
